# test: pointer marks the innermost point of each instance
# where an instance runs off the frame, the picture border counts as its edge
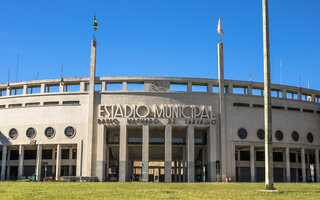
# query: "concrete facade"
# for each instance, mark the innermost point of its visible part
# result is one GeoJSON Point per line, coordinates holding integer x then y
{"type": "Point", "coordinates": [161, 129]}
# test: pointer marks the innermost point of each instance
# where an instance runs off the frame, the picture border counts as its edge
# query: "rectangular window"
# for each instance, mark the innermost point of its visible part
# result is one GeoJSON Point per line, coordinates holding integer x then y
{"type": "Point", "coordinates": [293, 157]}
{"type": "Point", "coordinates": [258, 106]}
{"type": "Point", "coordinates": [74, 153]}
{"type": "Point", "coordinates": [260, 156]}
{"type": "Point", "coordinates": [33, 104]}
{"type": "Point", "coordinates": [312, 158]}
{"type": "Point", "coordinates": [299, 157]}
{"type": "Point", "coordinates": [51, 103]}
{"type": "Point", "coordinates": [245, 155]}
{"type": "Point", "coordinates": [47, 154]}
{"type": "Point", "coordinates": [30, 154]}
{"type": "Point", "coordinates": [15, 105]}
{"type": "Point", "coordinates": [241, 104]}
{"type": "Point", "coordinates": [14, 155]}
{"type": "Point", "coordinates": [277, 157]}
{"type": "Point", "coordinates": [65, 154]}
{"type": "Point", "coordinates": [71, 102]}
{"type": "Point", "coordinates": [0, 155]}
{"type": "Point", "coordinates": [308, 110]}
{"type": "Point", "coordinates": [236, 155]}
{"type": "Point", "coordinates": [293, 109]}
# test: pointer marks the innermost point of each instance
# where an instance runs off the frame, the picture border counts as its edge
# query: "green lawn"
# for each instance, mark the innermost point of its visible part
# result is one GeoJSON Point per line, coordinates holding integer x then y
{"type": "Point", "coordinates": [56, 190]}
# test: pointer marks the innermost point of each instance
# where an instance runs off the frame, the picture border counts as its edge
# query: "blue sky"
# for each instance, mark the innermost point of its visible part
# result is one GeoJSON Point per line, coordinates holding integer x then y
{"type": "Point", "coordinates": [159, 38]}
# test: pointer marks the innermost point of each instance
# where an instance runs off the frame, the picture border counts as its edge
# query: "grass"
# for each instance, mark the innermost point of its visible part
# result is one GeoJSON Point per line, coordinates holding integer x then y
{"type": "Point", "coordinates": [63, 190]}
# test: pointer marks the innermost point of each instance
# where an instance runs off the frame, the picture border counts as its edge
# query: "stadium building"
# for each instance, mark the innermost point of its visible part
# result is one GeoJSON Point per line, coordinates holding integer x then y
{"type": "Point", "coordinates": [162, 129]}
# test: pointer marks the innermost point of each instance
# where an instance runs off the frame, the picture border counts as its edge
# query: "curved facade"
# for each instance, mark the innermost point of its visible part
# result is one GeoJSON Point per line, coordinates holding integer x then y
{"type": "Point", "coordinates": [156, 129]}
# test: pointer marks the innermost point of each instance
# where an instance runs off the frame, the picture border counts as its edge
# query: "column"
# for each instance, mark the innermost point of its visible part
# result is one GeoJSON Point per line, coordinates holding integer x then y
{"type": "Point", "coordinates": [167, 153]}
{"type": "Point", "coordinates": [252, 169]}
{"type": "Point", "coordinates": [288, 173]}
{"type": "Point", "coordinates": [303, 165]}
{"type": "Point", "coordinates": [3, 162]}
{"type": "Point", "coordinates": [8, 171]}
{"type": "Point", "coordinates": [179, 171]}
{"type": "Point", "coordinates": [25, 89]}
{"type": "Point", "coordinates": [317, 165]}
{"type": "Point", "coordinates": [42, 88]}
{"type": "Point", "coordinates": [21, 158]}
{"type": "Point", "coordinates": [79, 158]}
{"type": "Point", "coordinates": [189, 88]}
{"type": "Point", "coordinates": [190, 153]}
{"type": "Point", "coordinates": [58, 162]}
{"type": "Point", "coordinates": [123, 154]}
{"type": "Point", "coordinates": [38, 162]}
{"type": "Point", "coordinates": [145, 153]}
{"type": "Point", "coordinates": [230, 88]}
{"type": "Point", "coordinates": [211, 154]}
{"type": "Point", "coordinates": [175, 171]}
{"type": "Point", "coordinates": [203, 172]}
{"type": "Point", "coordinates": [101, 149]}
{"type": "Point", "coordinates": [184, 164]}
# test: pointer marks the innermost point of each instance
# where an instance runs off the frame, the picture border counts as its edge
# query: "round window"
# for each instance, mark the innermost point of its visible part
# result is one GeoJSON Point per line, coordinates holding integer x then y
{"type": "Point", "coordinates": [295, 136]}
{"type": "Point", "coordinates": [49, 132]}
{"type": "Point", "coordinates": [260, 134]}
{"type": "Point", "coordinates": [310, 137]}
{"type": "Point", "coordinates": [69, 132]}
{"type": "Point", "coordinates": [31, 133]}
{"type": "Point", "coordinates": [242, 133]}
{"type": "Point", "coordinates": [13, 133]}
{"type": "Point", "coordinates": [279, 135]}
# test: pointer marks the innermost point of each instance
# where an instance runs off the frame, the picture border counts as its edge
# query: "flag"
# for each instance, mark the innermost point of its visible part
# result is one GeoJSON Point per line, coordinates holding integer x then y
{"type": "Point", "coordinates": [95, 23]}
{"type": "Point", "coordinates": [219, 29]}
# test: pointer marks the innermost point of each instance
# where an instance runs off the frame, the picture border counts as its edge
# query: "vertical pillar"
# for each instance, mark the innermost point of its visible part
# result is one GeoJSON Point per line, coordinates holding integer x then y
{"type": "Point", "coordinates": [8, 171]}
{"type": "Point", "coordinates": [190, 153]}
{"type": "Point", "coordinates": [222, 113]}
{"type": "Point", "coordinates": [58, 162]}
{"type": "Point", "coordinates": [123, 154]}
{"type": "Point", "coordinates": [43, 88]}
{"type": "Point", "coordinates": [184, 164]}
{"type": "Point", "coordinates": [211, 153]}
{"type": "Point", "coordinates": [3, 162]}
{"type": "Point", "coordinates": [233, 161]}
{"type": "Point", "coordinates": [317, 165]}
{"type": "Point", "coordinates": [288, 173]}
{"type": "Point", "coordinates": [79, 158]}
{"type": "Point", "coordinates": [168, 153]}
{"type": "Point", "coordinates": [145, 153]}
{"type": "Point", "coordinates": [8, 91]}
{"type": "Point", "coordinates": [230, 88]}
{"type": "Point", "coordinates": [179, 171]}
{"type": "Point", "coordinates": [303, 165]}
{"type": "Point", "coordinates": [25, 89]}
{"type": "Point", "coordinates": [91, 110]}
{"type": "Point", "coordinates": [252, 167]}
{"type": "Point", "coordinates": [101, 149]}
{"type": "Point", "coordinates": [189, 88]}
{"type": "Point", "coordinates": [38, 162]}
{"type": "Point", "coordinates": [21, 158]}
{"type": "Point", "coordinates": [267, 100]}
{"type": "Point", "coordinates": [203, 172]}
{"type": "Point", "coordinates": [175, 171]}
